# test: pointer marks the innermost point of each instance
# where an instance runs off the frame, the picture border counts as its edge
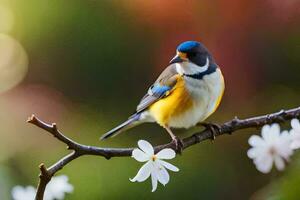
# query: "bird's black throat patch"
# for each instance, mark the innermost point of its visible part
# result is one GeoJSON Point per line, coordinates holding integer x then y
{"type": "Point", "coordinates": [211, 69]}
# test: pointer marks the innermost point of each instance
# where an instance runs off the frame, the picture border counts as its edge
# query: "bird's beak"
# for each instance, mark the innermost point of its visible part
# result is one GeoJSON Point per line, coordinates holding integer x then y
{"type": "Point", "coordinates": [180, 57]}
{"type": "Point", "coordinates": [176, 59]}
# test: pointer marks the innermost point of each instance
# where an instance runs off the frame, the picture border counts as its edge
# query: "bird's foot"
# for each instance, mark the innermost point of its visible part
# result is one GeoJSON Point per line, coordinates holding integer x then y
{"type": "Point", "coordinates": [215, 129]}
{"type": "Point", "coordinates": [178, 144]}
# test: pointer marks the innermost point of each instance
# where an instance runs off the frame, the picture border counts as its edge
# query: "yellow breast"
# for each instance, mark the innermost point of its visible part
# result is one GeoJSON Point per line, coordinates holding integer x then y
{"type": "Point", "coordinates": [177, 102]}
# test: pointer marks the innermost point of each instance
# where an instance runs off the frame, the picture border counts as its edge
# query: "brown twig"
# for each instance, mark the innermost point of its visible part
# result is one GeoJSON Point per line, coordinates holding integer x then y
{"type": "Point", "coordinates": [79, 150]}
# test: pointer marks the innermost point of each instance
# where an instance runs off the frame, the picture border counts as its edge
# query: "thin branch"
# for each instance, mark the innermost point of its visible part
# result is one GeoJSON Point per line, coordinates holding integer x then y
{"type": "Point", "coordinates": [79, 150]}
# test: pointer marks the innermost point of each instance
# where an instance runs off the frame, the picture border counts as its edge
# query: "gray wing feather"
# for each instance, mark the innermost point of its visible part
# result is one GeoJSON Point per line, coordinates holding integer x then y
{"type": "Point", "coordinates": [167, 78]}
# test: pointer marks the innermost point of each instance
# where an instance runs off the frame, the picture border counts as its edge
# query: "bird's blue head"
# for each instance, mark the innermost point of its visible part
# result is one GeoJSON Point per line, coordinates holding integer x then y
{"type": "Point", "coordinates": [192, 51]}
{"type": "Point", "coordinates": [188, 46]}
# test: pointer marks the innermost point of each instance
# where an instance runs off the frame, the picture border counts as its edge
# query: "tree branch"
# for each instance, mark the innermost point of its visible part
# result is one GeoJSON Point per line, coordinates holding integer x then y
{"type": "Point", "coordinates": [79, 150]}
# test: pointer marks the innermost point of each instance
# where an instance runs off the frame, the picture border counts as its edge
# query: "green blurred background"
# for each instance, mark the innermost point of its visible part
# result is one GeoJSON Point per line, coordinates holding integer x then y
{"type": "Point", "coordinates": [85, 64]}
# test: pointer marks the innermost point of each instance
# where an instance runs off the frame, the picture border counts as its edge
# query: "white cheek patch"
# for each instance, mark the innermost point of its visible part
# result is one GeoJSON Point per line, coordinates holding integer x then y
{"type": "Point", "coordinates": [179, 69]}
{"type": "Point", "coordinates": [205, 67]}
{"type": "Point", "coordinates": [189, 68]}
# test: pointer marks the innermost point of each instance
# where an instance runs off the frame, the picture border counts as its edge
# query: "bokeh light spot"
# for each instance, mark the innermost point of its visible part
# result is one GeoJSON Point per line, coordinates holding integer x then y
{"type": "Point", "coordinates": [13, 62]}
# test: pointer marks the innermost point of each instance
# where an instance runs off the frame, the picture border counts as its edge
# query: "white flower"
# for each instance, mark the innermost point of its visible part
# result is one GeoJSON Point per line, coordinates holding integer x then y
{"type": "Point", "coordinates": [56, 189]}
{"type": "Point", "coordinates": [154, 165]}
{"type": "Point", "coordinates": [295, 134]}
{"type": "Point", "coordinates": [23, 193]}
{"type": "Point", "coordinates": [273, 146]}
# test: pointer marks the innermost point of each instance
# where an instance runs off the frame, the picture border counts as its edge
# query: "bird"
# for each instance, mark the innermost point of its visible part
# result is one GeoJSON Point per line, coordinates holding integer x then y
{"type": "Point", "coordinates": [185, 94]}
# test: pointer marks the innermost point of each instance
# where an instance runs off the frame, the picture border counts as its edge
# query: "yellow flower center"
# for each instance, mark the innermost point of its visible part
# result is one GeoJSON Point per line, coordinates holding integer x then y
{"type": "Point", "coordinates": [153, 157]}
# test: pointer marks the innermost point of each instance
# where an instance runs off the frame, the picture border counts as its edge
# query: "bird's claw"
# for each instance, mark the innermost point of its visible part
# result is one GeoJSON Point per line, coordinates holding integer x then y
{"type": "Point", "coordinates": [215, 129]}
{"type": "Point", "coordinates": [178, 144]}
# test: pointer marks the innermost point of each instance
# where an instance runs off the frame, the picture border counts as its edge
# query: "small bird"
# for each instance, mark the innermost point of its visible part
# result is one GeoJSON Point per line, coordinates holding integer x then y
{"type": "Point", "coordinates": [186, 93]}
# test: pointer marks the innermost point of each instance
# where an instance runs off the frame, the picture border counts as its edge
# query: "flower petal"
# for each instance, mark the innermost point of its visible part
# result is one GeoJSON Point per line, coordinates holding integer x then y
{"type": "Point", "coordinates": [255, 140]}
{"type": "Point", "coordinates": [295, 139]}
{"type": "Point", "coordinates": [166, 154]}
{"type": "Point", "coordinates": [146, 147]}
{"type": "Point", "coordinates": [23, 193]}
{"type": "Point", "coordinates": [295, 144]}
{"type": "Point", "coordinates": [283, 145]}
{"type": "Point", "coordinates": [285, 135]}
{"type": "Point", "coordinates": [295, 124]}
{"type": "Point", "coordinates": [275, 130]}
{"type": "Point", "coordinates": [265, 131]}
{"type": "Point", "coordinates": [143, 173]}
{"type": "Point", "coordinates": [58, 187]}
{"type": "Point", "coordinates": [168, 165]}
{"type": "Point", "coordinates": [279, 163]}
{"type": "Point", "coordinates": [140, 155]}
{"type": "Point", "coordinates": [255, 152]}
{"type": "Point", "coordinates": [264, 164]}
{"type": "Point", "coordinates": [162, 175]}
{"type": "Point", "coordinates": [154, 181]}
{"type": "Point", "coordinates": [270, 133]}
{"type": "Point", "coordinates": [294, 133]}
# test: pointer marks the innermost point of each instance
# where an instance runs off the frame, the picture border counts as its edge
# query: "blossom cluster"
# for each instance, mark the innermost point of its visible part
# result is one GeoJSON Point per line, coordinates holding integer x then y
{"type": "Point", "coordinates": [56, 189]}
{"type": "Point", "coordinates": [274, 146]}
